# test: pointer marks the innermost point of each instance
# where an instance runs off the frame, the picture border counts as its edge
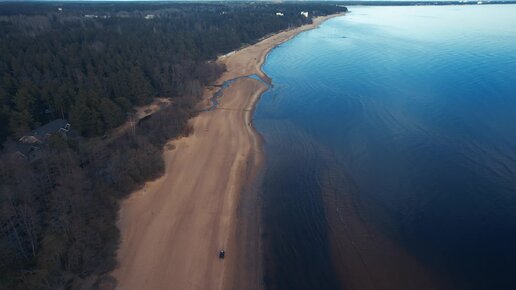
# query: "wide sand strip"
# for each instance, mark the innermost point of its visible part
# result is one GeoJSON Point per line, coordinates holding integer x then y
{"type": "Point", "coordinates": [173, 228]}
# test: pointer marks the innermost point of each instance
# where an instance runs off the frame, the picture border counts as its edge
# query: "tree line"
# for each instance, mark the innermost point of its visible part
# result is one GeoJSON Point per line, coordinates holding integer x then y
{"type": "Point", "coordinates": [93, 68]}
{"type": "Point", "coordinates": [92, 64]}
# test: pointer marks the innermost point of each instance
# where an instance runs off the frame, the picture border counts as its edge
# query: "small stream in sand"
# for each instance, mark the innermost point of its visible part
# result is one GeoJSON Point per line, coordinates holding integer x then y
{"type": "Point", "coordinates": [220, 92]}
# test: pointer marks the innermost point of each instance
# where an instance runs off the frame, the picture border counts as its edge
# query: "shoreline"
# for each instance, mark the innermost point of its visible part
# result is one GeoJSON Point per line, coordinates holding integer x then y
{"type": "Point", "coordinates": [172, 229]}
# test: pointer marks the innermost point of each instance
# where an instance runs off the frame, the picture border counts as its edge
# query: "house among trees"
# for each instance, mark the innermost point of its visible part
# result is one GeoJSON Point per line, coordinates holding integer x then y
{"type": "Point", "coordinates": [41, 134]}
{"type": "Point", "coordinates": [29, 145]}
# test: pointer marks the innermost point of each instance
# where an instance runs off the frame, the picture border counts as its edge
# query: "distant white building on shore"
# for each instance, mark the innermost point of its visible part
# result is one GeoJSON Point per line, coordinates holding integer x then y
{"type": "Point", "coordinates": [150, 16]}
{"type": "Point", "coordinates": [304, 13]}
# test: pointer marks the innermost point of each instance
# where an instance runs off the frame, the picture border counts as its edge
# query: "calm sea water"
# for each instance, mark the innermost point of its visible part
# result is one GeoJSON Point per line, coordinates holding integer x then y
{"type": "Point", "coordinates": [400, 120]}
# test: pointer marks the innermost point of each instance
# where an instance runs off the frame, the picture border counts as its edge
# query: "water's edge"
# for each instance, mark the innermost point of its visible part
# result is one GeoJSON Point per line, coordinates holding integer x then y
{"type": "Point", "coordinates": [316, 275]}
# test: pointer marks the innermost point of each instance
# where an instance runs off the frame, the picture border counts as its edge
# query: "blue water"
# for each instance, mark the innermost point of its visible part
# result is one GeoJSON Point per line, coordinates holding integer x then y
{"type": "Point", "coordinates": [404, 118]}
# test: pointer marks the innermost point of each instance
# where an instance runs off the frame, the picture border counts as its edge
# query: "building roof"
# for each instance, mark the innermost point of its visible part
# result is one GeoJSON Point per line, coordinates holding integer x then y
{"type": "Point", "coordinates": [42, 132]}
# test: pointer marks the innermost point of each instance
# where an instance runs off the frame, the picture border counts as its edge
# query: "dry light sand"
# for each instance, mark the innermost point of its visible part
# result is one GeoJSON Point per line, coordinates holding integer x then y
{"type": "Point", "coordinates": [173, 228]}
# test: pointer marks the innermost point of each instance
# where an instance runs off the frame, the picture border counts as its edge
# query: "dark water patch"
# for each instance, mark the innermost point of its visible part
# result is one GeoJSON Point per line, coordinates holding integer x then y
{"type": "Point", "coordinates": [364, 253]}
{"type": "Point", "coordinates": [295, 239]}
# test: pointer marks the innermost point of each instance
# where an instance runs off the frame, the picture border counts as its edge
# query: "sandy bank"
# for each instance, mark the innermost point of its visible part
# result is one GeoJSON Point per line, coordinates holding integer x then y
{"type": "Point", "coordinates": [173, 228]}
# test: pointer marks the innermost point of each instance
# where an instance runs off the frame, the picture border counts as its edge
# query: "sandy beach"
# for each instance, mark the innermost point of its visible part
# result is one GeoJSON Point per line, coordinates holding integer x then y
{"type": "Point", "coordinates": [173, 228]}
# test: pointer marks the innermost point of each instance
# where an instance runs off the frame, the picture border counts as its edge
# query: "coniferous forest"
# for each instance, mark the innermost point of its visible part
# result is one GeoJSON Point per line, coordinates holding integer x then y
{"type": "Point", "coordinates": [92, 64]}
